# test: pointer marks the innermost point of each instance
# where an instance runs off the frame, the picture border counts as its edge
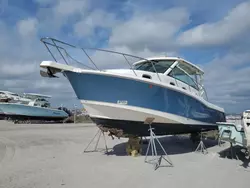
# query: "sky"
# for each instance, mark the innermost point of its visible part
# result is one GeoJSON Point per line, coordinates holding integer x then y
{"type": "Point", "coordinates": [211, 34]}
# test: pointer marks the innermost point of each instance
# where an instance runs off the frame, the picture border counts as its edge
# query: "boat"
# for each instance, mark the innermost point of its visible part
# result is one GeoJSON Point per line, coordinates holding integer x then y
{"type": "Point", "coordinates": [31, 106]}
{"type": "Point", "coordinates": [237, 132]}
{"type": "Point", "coordinates": [167, 89]}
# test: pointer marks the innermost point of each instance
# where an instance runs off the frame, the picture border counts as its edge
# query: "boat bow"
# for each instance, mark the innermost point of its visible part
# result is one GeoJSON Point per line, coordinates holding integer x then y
{"type": "Point", "coordinates": [54, 68]}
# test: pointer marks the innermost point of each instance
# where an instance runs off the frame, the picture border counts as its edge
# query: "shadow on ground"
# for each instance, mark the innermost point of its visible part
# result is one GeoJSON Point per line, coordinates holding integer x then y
{"type": "Point", "coordinates": [172, 144]}
{"type": "Point", "coordinates": [236, 152]}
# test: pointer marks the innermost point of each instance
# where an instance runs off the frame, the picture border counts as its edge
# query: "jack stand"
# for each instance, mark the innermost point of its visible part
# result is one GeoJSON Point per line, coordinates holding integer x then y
{"type": "Point", "coordinates": [156, 161]}
{"type": "Point", "coordinates": [233, 152]}
{"type": "Point", "coordinates": [201, 147]}
{"type": "Point", "coordinates": [98, 135]}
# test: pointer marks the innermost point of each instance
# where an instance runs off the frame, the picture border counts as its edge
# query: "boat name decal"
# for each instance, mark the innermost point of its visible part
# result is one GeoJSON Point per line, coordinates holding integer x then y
{"type": "Point", "coordinates": [122, 102]}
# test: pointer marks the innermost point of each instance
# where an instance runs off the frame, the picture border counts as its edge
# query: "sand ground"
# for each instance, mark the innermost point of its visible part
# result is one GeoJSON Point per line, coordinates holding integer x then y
{"type": "Point", "coordinates": [52, 156]}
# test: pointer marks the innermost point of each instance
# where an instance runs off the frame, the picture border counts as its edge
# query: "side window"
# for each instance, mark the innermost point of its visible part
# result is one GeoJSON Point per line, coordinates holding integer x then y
{"type": "Point", "coordinates": [179, 74]}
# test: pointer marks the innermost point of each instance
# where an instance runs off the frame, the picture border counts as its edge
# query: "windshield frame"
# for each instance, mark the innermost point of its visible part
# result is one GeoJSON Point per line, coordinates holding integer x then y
{"type": "Point", "coordinates": [197, 83]}
{"type": "Point", "coordinates": [152, 65]}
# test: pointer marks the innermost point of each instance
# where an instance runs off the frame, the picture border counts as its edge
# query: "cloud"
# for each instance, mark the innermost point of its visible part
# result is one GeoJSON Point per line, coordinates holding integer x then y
{"type": "Point", "coordinates": [236, 23]}
{"type": "Point", "coordinates": [27, 27]}
{"type": "Point", "coordinates": [43, 2]}
{"type": "Point", "coordinates": [66, 7]}
{"type": "Point", "coordinates": [17, 70]}
{"type": "Point", "coordinates": [227, 81]}
{"type": "Point", "coordinates": [97, 18]}
{"type": "Point", "coordinates": [56, 15]}
{"type": "Point", "coordinates": [152, 30]}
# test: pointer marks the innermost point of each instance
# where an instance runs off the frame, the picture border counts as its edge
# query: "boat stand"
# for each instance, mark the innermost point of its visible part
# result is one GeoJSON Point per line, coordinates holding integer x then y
{"type": "Point", "coordinates": [156, 161]}
{"type": "Point", "coordinates": [98, 136]}
{"type": "Point", "coordinates": [201, 147]}
{"type": "Point", "coordinates": [233, 152]}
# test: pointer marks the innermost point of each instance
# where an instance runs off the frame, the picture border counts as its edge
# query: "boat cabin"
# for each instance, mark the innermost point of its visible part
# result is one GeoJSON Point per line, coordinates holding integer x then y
{"type": "Point", "coordinates": [9, 95]}
{"type": "Point", "coordinates": [182, 73]}
{"type": "Point", "coordinates": [37, 99]}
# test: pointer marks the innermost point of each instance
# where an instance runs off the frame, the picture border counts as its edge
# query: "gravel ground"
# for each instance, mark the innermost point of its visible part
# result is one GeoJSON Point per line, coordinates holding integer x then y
{"type": "Point", "coordinates": [52, 156]}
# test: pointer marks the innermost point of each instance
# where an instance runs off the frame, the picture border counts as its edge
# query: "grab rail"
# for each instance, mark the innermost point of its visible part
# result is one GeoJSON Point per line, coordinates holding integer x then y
{"type": "Point", "coordinates": [48, 41]}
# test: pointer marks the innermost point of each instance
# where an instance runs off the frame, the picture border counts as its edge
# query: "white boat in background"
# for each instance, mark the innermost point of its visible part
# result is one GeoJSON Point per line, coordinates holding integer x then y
{"type": "Point", "coordinates": [31, 106]}
{"type": "Point", "coordinates": [238, 132]}
{"type": "Point", "coordinates": [169, 89]}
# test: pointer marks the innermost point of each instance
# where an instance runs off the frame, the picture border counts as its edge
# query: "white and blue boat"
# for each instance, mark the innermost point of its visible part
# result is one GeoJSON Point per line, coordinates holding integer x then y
{"type": "Point", "coordinates": [30, 106]}
{"type": "Point", "coordinates": [168, 89]}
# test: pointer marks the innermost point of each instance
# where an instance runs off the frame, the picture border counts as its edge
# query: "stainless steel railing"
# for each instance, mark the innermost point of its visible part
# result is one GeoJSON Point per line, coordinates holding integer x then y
{"type": "Point", "coordinates": [51, 42]}
{"type": "Point", "coordinates": [59, 45]}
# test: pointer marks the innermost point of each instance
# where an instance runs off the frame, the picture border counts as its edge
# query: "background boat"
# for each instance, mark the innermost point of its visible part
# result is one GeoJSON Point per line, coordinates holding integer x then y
{"type": "Point", "coordinates": [32, 106]}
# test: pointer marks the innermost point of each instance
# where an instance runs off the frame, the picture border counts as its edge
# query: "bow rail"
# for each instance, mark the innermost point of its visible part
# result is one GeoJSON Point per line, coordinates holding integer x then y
{"type": "Point", "coordinates": [51, 42]}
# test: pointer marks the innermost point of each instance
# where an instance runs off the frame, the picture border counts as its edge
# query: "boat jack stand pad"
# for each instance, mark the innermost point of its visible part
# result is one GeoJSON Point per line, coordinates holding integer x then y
{"type": "Point", "coordinates": [156, 160]}
{"type": "Point", "coordinates": [98, 136]}
{"type": "Point", "coordinates": [201, 147]}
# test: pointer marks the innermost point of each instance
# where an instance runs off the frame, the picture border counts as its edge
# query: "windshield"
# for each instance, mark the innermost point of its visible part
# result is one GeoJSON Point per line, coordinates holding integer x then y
{"type": "Point", "coordinates": [179, 74]}
{"type": "Point", "coordinates": [161, 66]}
{"type": "Point", "coordinates": [42, 99]}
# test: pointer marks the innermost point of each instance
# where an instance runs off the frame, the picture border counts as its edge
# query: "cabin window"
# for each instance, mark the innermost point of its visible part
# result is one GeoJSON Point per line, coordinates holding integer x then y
{"type": "Point", "coordinates": [191, 71]}
{"type": "Point", "coordinates": [160, 65]}
{"type": "Point", "coordinates": [179, 74]}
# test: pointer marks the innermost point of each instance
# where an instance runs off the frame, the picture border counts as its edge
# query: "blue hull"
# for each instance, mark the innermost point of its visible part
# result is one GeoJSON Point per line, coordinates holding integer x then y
{"type": "Point", "coordinates": [110, 89]}
{"type": "Point", "coordinates": [31, 112]}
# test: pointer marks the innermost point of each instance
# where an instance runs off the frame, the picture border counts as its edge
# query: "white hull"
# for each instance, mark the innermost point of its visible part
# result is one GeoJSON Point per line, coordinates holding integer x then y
{"type": "Point", "coordinates": [130, 113]}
